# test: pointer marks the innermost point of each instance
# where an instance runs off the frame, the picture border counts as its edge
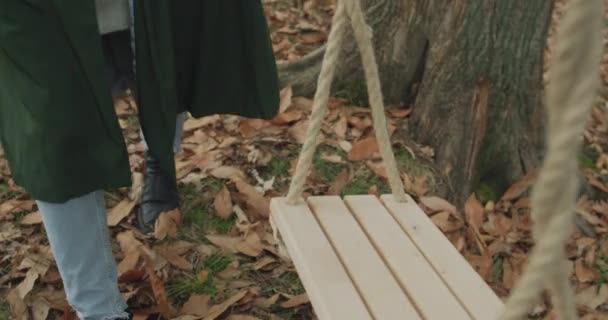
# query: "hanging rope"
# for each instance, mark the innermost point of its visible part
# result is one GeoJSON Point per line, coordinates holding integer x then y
{"type": "Point", "coordinates": [570, 94]}
{"type": "Point", "coordinates": [569, 99]}
{"type": "Point", "coordinates": [363, 35]}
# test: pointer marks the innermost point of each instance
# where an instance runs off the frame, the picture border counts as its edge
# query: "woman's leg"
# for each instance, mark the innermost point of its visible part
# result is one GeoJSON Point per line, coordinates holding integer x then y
{"type": "Point", "coordinates": [159, 191]}
{"type": "Point", "coordinates": [80, 241]}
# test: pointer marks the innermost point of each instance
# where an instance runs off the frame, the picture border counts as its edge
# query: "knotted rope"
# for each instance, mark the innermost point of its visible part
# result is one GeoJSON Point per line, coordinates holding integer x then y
{"type": "Point", "coordinates": [347, 10]}
{"type": "Point", "coordinates": [570, 95]}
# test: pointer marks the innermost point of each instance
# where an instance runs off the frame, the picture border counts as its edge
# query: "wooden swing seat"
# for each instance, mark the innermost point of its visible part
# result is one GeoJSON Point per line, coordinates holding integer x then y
{"type": "Point", "coordinates": [362, 257]}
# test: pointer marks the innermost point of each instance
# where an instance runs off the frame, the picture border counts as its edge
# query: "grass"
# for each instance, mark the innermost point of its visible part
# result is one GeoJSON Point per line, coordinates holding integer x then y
{"type": "Point", "coordinates": [4, 311]}
{"type": "Point", "coordinates": [361, 184]}
{"type": "Point", "coordinates": [182, 288]}
{"type": "Point", "coordinates": [497, 269]}
{"type": "Point", "coordinates": [601, 267]}
{"type": "Point", "coordinates": [199, 215]}
{"type": "Point", "coordinates": [328, 171]}
{"type": "Point", "coordinates": [279, 167]}
{"type": "Point", "coordinates": [288, 283]}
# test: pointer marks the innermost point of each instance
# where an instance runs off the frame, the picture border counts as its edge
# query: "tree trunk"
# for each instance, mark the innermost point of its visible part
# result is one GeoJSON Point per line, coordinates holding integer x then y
{"type": "Point", "coordinates": [479, 68]}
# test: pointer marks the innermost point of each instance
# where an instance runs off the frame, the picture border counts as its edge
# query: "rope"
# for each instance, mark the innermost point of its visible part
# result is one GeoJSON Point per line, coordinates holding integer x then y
{"type": "Point", "coordinates": [363, 37]}
{"type": "Point", "coordinates": [569, 100]}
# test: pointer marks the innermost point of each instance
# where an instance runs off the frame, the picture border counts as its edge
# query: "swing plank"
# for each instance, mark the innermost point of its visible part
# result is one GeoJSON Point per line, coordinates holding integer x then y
{"type": "Point", "coordinates": [413, 271]}
{"type": "Point", "coordinates": [327, 283]}
{"type": "Point", "coordinates": [472, 291]}
{"type": "Point", "coordinates": [382, 294]}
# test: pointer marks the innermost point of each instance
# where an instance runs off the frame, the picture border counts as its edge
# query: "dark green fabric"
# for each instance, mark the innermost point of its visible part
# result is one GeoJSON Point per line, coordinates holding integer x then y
{"type": "Point", "coordinates": [57, 125]}
{"type": "Point", "coordinates": [206, 57]}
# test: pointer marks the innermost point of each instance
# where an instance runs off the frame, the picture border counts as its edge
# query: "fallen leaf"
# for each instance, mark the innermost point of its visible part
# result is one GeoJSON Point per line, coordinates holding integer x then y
{"type": "Point", "coordinates": [193, 124]}
{"type": "Point", "coordinates": [340, 127]}
{"type": "Point", "coordinates": [27, 284]}
{"type": "Point", "coordinates": [401, 112]}
{"type": "Point", "coordinates": [296, 301]}
{"type": "Point", "coordinates": [474, 212]}
{"type": "Point", "coordinates": [224, 242]}
{"type": "Point", "coordinates": [166, 224]}
{"type": "Point", "coordinates": [218, 310]}
{"type": "Point", "coordinates": [120, 211]}
{"type": "Point", "coordinates": [158, 289]}
{"type": "Point", "coordinates": [252, 245]}
{"type": "Point", "coordinates": [40, 309]}
{"type": "Point", "coordinates": [175, 260]}
{"type": "Point", "coordinates": [17, 306]}
{"type": "Point", "coordinates": [262, 263]}
{"type": "Point", "coordinates": [339, 183]}
{"type": "Point", "coordinates": [521, 186]}
{"type": "Point", "coordinates": [226, 172]}
{"type": "Point", "coordinates": [253, 197]}
{"type": "Point", "coordinates": [286, 95]}
{"type": "Point", "coordinates": [267, 302]}
{"type": "Point", "coordinates": [223, 203]}
{"type": "Point", "coordinates": [197, 305]}
{"type": "Point", "coordinates": [363, 149]}
{"type": "Point", "coordinates": [298, 131]}
{"type": "Point", "coordinates": [31, 219]}
{"type": "Point", "coordinates": [584, 273]}
{"type": "Point", "coordinates": [202, 276]}
{"type": "Point", "coordinates": [593, 296]}
{"type": "Point", "coordinates": [445, 222]}
{"type": "Point", "coordinates": [436, 204]}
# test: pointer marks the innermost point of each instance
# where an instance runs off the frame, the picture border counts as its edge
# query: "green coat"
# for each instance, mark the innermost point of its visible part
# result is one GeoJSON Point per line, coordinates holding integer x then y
{"type": "Point", "coordinates": [57, 124]}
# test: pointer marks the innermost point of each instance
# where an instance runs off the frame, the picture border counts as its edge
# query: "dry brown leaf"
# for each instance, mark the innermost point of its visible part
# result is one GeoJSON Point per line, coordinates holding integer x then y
{"type": "Point", "coordinates": [445, 221]}
{"type": "Point", "coordinates": [436, 204]}
{"type": "Point", "coordinates": [174, 259]}
{"type": "Point", "coordinates": [298, 131]}
{"type": "Point", "coordinates": [400, 112]}
{"type": "Point", "coordinates": [266, 303]}
{"type": "Point", "coordinates": [286, 95]}
{"type": "Point", "coordinates": [340, 127]}
{"type": "Point", "coordinates": [241, 317]}
{"type": "Point", "coordinates": [474, 212]}
{"type": "Point", "coordinates": [593, 296]}
{"type": "Point", "coordinates": [28, 283]}
{"type": "Point", "coordinates": [223, 203]}
{"type": "Point", "coordinates": [193, 124]}
{"type": "Point", "coordinates": [158, 289]}
{"type": "Point", "coordinates": [521, 186]}
{"type": "Point", "coordinates": [31, 219]}
{"type": "Point", "coordinates": [251, 246]}
{"type": "Point", "coordinates": [378, 168]}
{"type": "Point", "coordinates": [120, 211]}
{"type": "Point", "coordinates": [218, 310]}
{"type": "Point", "coordinates": [197, 305]}
{"type": "Point", "coordinates": [17, 306]}
{"type": "Point", "coordinates": [296, 301]}
{"type": "Point", "coordinates": [253, 197]}
{"type": "Point", "coordinates": [224, 242]}
{"type": "Point", "coordinates": [287, 117]}
{"type": "Point", "coordinates": [166, 224]}
{"type": "Point", "coordinates": [584, 273]}
{"type": "Point", "coordinates": [262, 263]}
{"type": "Point", "coordinates": [128, 242]}
{"type": "Point", "coordinates": [339, 183]}
{"type": "Point", "coordinates": [363, 149]}
{"type": "Point", "coordinates": [227, 172]}
{"type": "Point", "coordinates": [40, 309]}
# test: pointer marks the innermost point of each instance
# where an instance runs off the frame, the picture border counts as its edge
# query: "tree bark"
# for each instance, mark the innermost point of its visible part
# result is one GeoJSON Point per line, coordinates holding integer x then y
{"type": "Point", "coordinates": [479, 67]}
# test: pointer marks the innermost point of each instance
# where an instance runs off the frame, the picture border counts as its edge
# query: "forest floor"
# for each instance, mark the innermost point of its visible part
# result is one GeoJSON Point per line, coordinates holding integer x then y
{"type": "Point", "coordinates": [217, 257]}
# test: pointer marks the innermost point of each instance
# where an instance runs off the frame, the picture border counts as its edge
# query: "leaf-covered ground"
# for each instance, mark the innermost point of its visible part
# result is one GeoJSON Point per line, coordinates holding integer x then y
{"type": "Point", "coordinates": [217, 258]}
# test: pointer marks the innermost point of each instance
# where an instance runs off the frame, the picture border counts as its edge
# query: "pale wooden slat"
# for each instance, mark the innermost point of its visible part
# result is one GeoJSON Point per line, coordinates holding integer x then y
{"type": "Point", "coordinates": [329, 288]}
{"type": "Point", "coordinates": [416, 276]}
{"type": "Point", "coordinates": [382, 294]}
{"type": "Point", "coordinates": [472, 291]}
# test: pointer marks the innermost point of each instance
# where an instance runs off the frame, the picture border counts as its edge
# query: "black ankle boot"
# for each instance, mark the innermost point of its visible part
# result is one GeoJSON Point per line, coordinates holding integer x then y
{"type": "Point", "coordinates": [159, 194]}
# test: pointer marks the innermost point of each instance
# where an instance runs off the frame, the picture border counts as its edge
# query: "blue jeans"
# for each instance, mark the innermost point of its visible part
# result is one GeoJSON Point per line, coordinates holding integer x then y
{"type": "Point", "coordinates": [80, 242]}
